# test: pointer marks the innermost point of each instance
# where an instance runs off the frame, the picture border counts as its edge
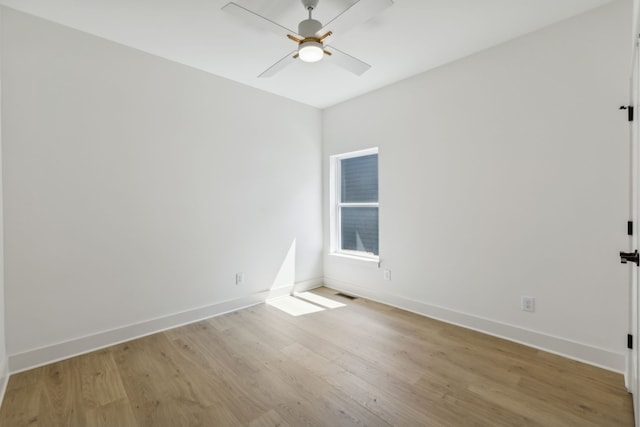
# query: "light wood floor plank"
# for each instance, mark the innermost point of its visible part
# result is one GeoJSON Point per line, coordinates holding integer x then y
{"type": "Point", "coordinates": [365, 364]}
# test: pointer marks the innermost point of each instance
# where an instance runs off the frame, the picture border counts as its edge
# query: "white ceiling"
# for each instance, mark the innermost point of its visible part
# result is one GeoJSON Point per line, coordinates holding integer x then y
{"type": "Point", "coordinates": [410, 37]}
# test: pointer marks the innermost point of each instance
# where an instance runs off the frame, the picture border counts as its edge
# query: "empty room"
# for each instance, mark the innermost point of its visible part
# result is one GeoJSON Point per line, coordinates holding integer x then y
{"type": "Point", "coordinates": [319, 213]}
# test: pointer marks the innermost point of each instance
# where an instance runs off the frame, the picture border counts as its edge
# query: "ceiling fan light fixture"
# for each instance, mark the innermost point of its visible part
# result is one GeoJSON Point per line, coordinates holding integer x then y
{"type": "Point", "coordinates": [311, 51]}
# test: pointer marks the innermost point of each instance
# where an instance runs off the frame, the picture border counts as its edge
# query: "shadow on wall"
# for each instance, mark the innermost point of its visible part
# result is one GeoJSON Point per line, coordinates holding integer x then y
{"type": "Point", "coordinates": [285, 280]}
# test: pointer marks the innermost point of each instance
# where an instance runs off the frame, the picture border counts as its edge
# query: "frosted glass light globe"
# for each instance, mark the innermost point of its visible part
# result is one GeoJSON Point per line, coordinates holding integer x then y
{"type": "Point", "coordinates": [311, 51]}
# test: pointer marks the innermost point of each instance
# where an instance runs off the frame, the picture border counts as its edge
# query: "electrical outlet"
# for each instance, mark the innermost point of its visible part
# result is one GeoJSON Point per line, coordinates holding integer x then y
{"type": "Point", "coordinates": [387, 274]}
{"type": "Point", "coordinates": [239, 278]}
{"type": "Point", "coordinates": [528, 304]}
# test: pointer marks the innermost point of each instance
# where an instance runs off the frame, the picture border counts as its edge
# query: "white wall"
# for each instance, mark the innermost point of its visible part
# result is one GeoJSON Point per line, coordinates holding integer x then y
{"type": "Point", "coordinates": [136, 188]}
{"type": "Point", "coordinates": [501, 175]}
{"type": "Point", "coordinates": [3, 349]}
{"type": "Point", "coordinates": [636, 20]}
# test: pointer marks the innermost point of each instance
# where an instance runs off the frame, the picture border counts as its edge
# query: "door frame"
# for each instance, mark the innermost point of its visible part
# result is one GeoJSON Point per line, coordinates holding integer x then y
{"type": "Point", "coordinates": [632, 369]}
{"type": "Point", "coordinates": [632, 375]}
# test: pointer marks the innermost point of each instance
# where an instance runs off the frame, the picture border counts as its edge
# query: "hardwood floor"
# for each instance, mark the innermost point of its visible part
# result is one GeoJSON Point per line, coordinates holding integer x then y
{"type": "Point", "coordinates": [364, 364]}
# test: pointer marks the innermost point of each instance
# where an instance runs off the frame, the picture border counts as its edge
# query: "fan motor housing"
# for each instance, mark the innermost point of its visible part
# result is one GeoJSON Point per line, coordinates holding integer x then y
{"type": "Point", "coordinates": [309, 28]}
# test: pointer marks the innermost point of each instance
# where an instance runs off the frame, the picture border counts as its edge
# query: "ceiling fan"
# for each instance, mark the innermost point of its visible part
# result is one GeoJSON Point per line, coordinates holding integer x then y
{"type": "Point", "coordinates": [312, 35]}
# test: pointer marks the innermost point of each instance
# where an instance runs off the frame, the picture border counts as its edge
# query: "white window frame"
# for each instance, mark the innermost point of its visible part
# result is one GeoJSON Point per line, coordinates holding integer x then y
{"type": "Point", "coordinates": [336, 205]}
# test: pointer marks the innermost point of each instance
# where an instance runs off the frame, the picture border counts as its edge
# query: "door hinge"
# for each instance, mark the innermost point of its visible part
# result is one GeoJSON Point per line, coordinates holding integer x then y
{"type": "Point", "coordinates": [630, 228]}
{"type": "Point", "coordinates": [629, 109]}
{"type": "Point", "coordinates": [630, 341]}
{"type": "Point", "coordinates": [626, 257]}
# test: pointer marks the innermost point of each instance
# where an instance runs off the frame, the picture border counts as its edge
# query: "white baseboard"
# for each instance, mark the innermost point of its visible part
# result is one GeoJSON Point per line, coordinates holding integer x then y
{"type": "Point", "coordinates": [64, 350]}
{"type": "Point", "coordinates": [49, 354]}
{"type": "Point", "coordinates": [307, 285]}
{"type": "Point", "coordinates": [4, 377]}
{"type": "Point", "coordinates": [627, 372]}
{"type": "Point", "coordinates": [292, 288]}
{"type": "Point", "coordinates": [573, 350]}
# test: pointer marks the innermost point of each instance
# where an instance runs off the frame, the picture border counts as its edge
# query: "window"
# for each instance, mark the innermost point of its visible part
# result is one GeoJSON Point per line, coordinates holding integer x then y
{"type": "Point", "coordinates": [354, 204]}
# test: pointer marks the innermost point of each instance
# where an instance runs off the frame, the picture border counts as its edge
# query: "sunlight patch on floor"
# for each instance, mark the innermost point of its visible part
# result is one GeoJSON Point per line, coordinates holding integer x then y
{"type": "Point", "coordinates": [294, 306]}
{"type": "Point", "coordinates": [303, 303]}
{"type": "Point", "coordinates": [318, 300]}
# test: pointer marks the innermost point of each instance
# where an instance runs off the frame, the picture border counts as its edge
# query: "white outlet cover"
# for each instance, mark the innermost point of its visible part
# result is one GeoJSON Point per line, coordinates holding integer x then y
{"type": "Point", "coordinates": [528, 304]}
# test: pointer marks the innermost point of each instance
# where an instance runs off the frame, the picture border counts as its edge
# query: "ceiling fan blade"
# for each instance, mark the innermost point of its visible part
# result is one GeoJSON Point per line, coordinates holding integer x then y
{"type": "Point", "coordinates": [346, 61]}
{"type": "Point", "coordinates": [275, 68]}
{"type": "Point", "coordinates": [355, 15]}
{"type": "Point", "coordinates": [256, 20]}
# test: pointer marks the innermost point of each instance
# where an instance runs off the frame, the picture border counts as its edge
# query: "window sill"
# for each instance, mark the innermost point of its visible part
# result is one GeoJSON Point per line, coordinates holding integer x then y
{"type": "Point", "coordinates": [354, 259]}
